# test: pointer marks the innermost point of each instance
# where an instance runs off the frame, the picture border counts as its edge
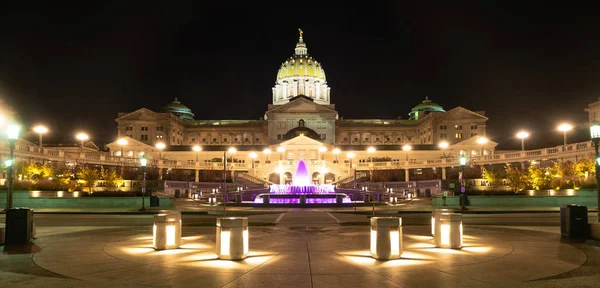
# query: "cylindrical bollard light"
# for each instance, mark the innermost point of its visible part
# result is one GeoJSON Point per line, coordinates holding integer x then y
{"type": "Point", "coordinates": [435, 215]}
{"type": "Point", "coordinates": [449, 231]}
{"type": "Point", "coordinates": [165, 232]}
{"type": "Point", "coordinates": [232, 238]}
{"type": "Point", "coordinates": [386, 238]}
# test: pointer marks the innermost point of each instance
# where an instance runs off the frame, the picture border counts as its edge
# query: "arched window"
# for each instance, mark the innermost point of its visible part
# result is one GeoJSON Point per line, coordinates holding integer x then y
{"type": "Point", "coordinates": [224, 139]}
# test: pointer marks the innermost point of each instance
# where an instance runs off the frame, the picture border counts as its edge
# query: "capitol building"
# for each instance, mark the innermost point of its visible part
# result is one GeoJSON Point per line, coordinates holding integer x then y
{"type": "Point", "coordinates": [300, 124]}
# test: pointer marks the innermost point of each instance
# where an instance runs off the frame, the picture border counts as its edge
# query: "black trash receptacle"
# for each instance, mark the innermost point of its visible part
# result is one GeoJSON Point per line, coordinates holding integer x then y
{"type": "Point", "coordinates": [19, 226]}
{"type": "Point", "coordinates": [154, 201]}
{"type": "Point", "coordinates": [339, 199]}
{"type": "Point", "coordinates": [238, 198]}
{"type": "Point", "coordinates": [266, 199]}
{"type": "Point", "coordinates": [367, 198]}
{"type": "Point", "coordinates": [573, 221]}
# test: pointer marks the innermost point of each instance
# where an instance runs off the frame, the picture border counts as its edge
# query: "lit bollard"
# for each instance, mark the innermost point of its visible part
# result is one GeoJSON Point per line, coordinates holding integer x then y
{"type": "Point", "coordinates": [435, 215]}
{"type": "Point", "coordinates": [386, 238]}
{"type": "Point", "coordinates": [165, 234]}
{"type": "Point", "coordinates": [174, 215]}
{"type": "Point", "coordinates": [449, 231]}
{"type": "Point", "coordinates": [232, 238]}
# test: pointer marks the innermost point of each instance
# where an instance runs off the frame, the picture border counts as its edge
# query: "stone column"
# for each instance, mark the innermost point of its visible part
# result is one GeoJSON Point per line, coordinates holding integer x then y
{"type": "Point", "coordinates": [443, 173]}
{"type": "Point", "coordinates": [197, 178]}
{"type": "Point", "coordinates": [406, 176]}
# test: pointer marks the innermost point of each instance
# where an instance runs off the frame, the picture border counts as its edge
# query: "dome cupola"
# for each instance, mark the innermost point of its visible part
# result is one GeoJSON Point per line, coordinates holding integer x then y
{"type": "Point", "coordinates": [301, 75]}
{"type": "Point", "coordinates": [424, 108]}
{"type": "Point", "coordinates": [179, 110]}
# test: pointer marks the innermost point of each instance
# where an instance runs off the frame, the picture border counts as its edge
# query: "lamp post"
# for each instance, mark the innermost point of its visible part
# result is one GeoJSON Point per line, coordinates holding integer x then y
{"type": "Point", "coordinates": [12, 132]}
{"type": "Point", "coordinates": [267, 152]}
{"type": "Point", "coordinates": [406, 148]}
{"type": "Point", "coordinates": [371, 150]}
{"type": "Point", "coordinates": [280, 149]}
{"type": "Point", "coordinates": [231, 150]}
{"type": "Point", "coordinates": [351, 155]}
{"type": "Point", "coordinates": [443, 145]}
{"type": "Point", "coordinates": [322, 150]}
{"type": "Point", "coordinates": [463, 162]}
{"type": "Point", "coordinates": [40, 130]}
{"type": "Point", "coordinates": [197, 149]}
{"type": "Point", "coordinates": [143, 162]}
{"type": "Point", "coordinates": [82, 137]}
{"type": "Point", "coordinates": [565, 127]}
{"type": "Point", "coordinates": [160, 146]}
{"type": "Point", "coordinates": [595, 135]}
{"type": "Point", "coordinates": [482, 141]}
{"type": "Point", "coordinates": [336, 152]}
{"type": "Point", "coordinates": [522, 135]}
{"type": "Point", "coordinates": [122, 142]}
{"type": "Point", "coordinates": [252, 156]}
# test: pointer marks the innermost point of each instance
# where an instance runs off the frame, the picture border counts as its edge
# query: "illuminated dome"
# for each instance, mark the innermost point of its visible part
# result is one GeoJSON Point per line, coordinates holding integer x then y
{"type": "Point", "coordinates": [301, 75]}
{"type": "Point", "coordinates": [424, 108]}
{"type": "Point", "coordinates": [178, 109]}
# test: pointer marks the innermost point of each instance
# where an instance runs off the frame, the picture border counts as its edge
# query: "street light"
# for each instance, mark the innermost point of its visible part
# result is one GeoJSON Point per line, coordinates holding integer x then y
{"type": "Point", "coordinates": [482, 141]}
{"type": "Point", "coordinates": [351, 155]}
{"type": "Point", "coordinates": [197, 149]}
{"type": "Point", "coordinates": [444, 145]}
{"type": "Point", "coordinates": [160, 146]}
{"type": "Point", "coordinates": [252, 156]}
{"type": "Point", "coordinates": [522, 135]}
{"type": "Point", "coordinates": [595, 135]}
{"type": "Point", "coordinates": [12, 132]}
{"type": "Point", "coordinates": [280, 149]}
{"type": "Point", "coordinates": [565, 127]}
{"type": "Point", "coordinates": [322, 150]}
{"type": "Point", "coordinates": [231, 150]}
{"type": "Point", "coordinates": [82, 137]}
{"type": "Point", "coordinates": [463, 162]}
{"type": "Point", "coordinates": [406, 148]}
{"type": "Point", "coordinates": [40, 129]}
{"type": "Point", "coordinates": [122, 142]}
{"type": "Point", "coordinates": [143, 163]}
{"type": "Point", "coordinates": [336, 152]}
{"type": "Point", "coordinates": [267, 152]}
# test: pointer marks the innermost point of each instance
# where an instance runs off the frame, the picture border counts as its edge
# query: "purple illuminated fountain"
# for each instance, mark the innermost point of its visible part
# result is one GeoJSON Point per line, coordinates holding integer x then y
{"type": "Point", "coordinates": [302, 191]}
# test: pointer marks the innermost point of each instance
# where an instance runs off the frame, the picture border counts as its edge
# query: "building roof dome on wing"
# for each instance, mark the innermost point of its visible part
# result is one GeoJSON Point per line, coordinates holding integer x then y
{"type": "Point", "coordinates": [425, 107]}
{"type": "Point", "coordinates": [178, 109]}
{"type": "Point", "coordinates": [301, 130]}
{"type": "Point", "coordinates": [301, 75]}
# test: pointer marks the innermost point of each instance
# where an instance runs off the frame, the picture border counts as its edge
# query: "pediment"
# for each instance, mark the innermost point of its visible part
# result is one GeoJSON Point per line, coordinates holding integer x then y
{"type": "Point", "coordinates": [460, 113]}
{"type": "Point", "coordinates": [142, 114]}
{"type": "Point", "coordinates": [302, 140]}
{"type": "Point", "coordinates": [472, 142]}
{"type": "Point", "coordinates": [301, 105]}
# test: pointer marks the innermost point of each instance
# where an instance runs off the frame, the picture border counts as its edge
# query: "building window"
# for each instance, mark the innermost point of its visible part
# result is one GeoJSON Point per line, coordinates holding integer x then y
{"type": "Point", "coordinates": [366, 139]}
{"type": "Point", "coordinates": [160, 128]}
{"type": "Point", "coordinates": [323, 136]}
{"type": "Point", "coordinates": [279, 136]}
{"type": "Point", "coordinates": [473, 134]}
{"type": "Point", "coordinates": [458, 127]}
{"type": "Point", "coordinates": [246, 140]}
{"type": "Point", "coordinates": [355, 139]}
{"type": "Point", "coordinates": [144, 128]}
{"type": "Point", "coordinates": [224, 139]}
{"type": "Point", "coordinates": [214, 139]}
{"type": "Point", "coordinates": [193, 140]}
{"type": "Point", "coordinates": [129, 128]}
{"type": "Point", "coordinates": [203, 140]}
{"type": "Point", "coordinates": [443, 136]}
{"type": "Point", "coordinates": [408, 138]}
{"type": "Point", "coordinates": [345, 138]}
{"type": "Point", "coordinates": [443, 127]}
{"type": "Point", "coordinates": [144, 137]}
{"type": "Point", "coordinates": [159, 136]}
{"type": "Point", "coordinates": [235, 140]}
{"type": "Point", "coordinates": [458, 135]}
{"type": "Point", "coordinates": [377, 139]}
{"type": "Point", "coordinates": [473, 127]}
{"type": "Point", "coordinates": [388, 139]}
{"type": "Point", "coordinates": [257, 139]}
{"type": "Point", "coordinates": [398, 139]}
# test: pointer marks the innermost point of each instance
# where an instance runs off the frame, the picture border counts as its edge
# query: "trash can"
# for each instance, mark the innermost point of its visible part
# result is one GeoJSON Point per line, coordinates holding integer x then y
{"type": "Point", "coordinates": [367, 198]}
{"type": "Point", "coordinates": [386, 238]}
{"type": "Point", "coordinates": [19, 226]}
{"type": "Point", "coordinates": [238, 198]}
{"type": "Point", "coordinates": [232, 238]}
{"type": "Point", "coordinates": [154, 202]}
{"type": "Point", "coordinates": [302, 199]}
{"type": "Point", "coordinates": [339, 199]}
{"type": "Point", "coordinates": [573, 221]}
{"type": "Point", "coordinates": [266, 199]}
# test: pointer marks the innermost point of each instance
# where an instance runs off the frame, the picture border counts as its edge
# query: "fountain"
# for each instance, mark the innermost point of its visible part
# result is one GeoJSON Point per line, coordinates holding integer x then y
{"type": "Point", "coordinates": [302, 191]}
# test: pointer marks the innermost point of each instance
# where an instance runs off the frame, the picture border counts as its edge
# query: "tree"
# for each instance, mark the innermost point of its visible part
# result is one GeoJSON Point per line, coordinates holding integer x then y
{"type": "Point", "coordinates": [585, 167]}
{"type": "Point", "coordinates": [516, 178]}
{"type": "Point", "coordinates": [36, 171]}
{"type": "Point", "coordinates": [111, 177]}
{"type": "Point", "coordinates": [539, 178]}
{"type": "Point", "coordinates": [89, 176]}
{"type": "Point", "coordinates": [491, 177]}
{"type": "Point", "coordinates": [564, 172]}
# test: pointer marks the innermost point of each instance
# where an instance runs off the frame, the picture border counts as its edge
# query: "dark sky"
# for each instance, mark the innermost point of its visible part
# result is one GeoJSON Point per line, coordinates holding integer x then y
{"type": "Point", "coordinates": [75, 65]}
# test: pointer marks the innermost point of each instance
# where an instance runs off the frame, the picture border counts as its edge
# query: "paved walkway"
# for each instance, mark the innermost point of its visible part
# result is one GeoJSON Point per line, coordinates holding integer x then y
{"type": "Point", "coordinates": [304, 249]}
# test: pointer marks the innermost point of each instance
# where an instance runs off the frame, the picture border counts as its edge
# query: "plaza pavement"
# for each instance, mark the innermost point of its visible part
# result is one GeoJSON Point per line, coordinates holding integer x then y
{"type": "Point", "coordinates": [306, 248]}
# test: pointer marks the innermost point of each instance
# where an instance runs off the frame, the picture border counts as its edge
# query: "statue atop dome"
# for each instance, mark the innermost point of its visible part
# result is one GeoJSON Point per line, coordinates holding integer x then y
{"type": "Point", "coordinates": [300, 30]}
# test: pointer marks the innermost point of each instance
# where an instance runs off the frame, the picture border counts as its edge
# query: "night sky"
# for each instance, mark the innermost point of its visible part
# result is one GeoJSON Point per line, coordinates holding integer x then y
{"type": "Point", "coordinates": [75, 65]}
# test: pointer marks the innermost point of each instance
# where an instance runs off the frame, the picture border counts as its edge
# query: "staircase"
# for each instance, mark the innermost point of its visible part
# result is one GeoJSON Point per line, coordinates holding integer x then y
{"type": "Point", "coordinates": [250, 180]}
